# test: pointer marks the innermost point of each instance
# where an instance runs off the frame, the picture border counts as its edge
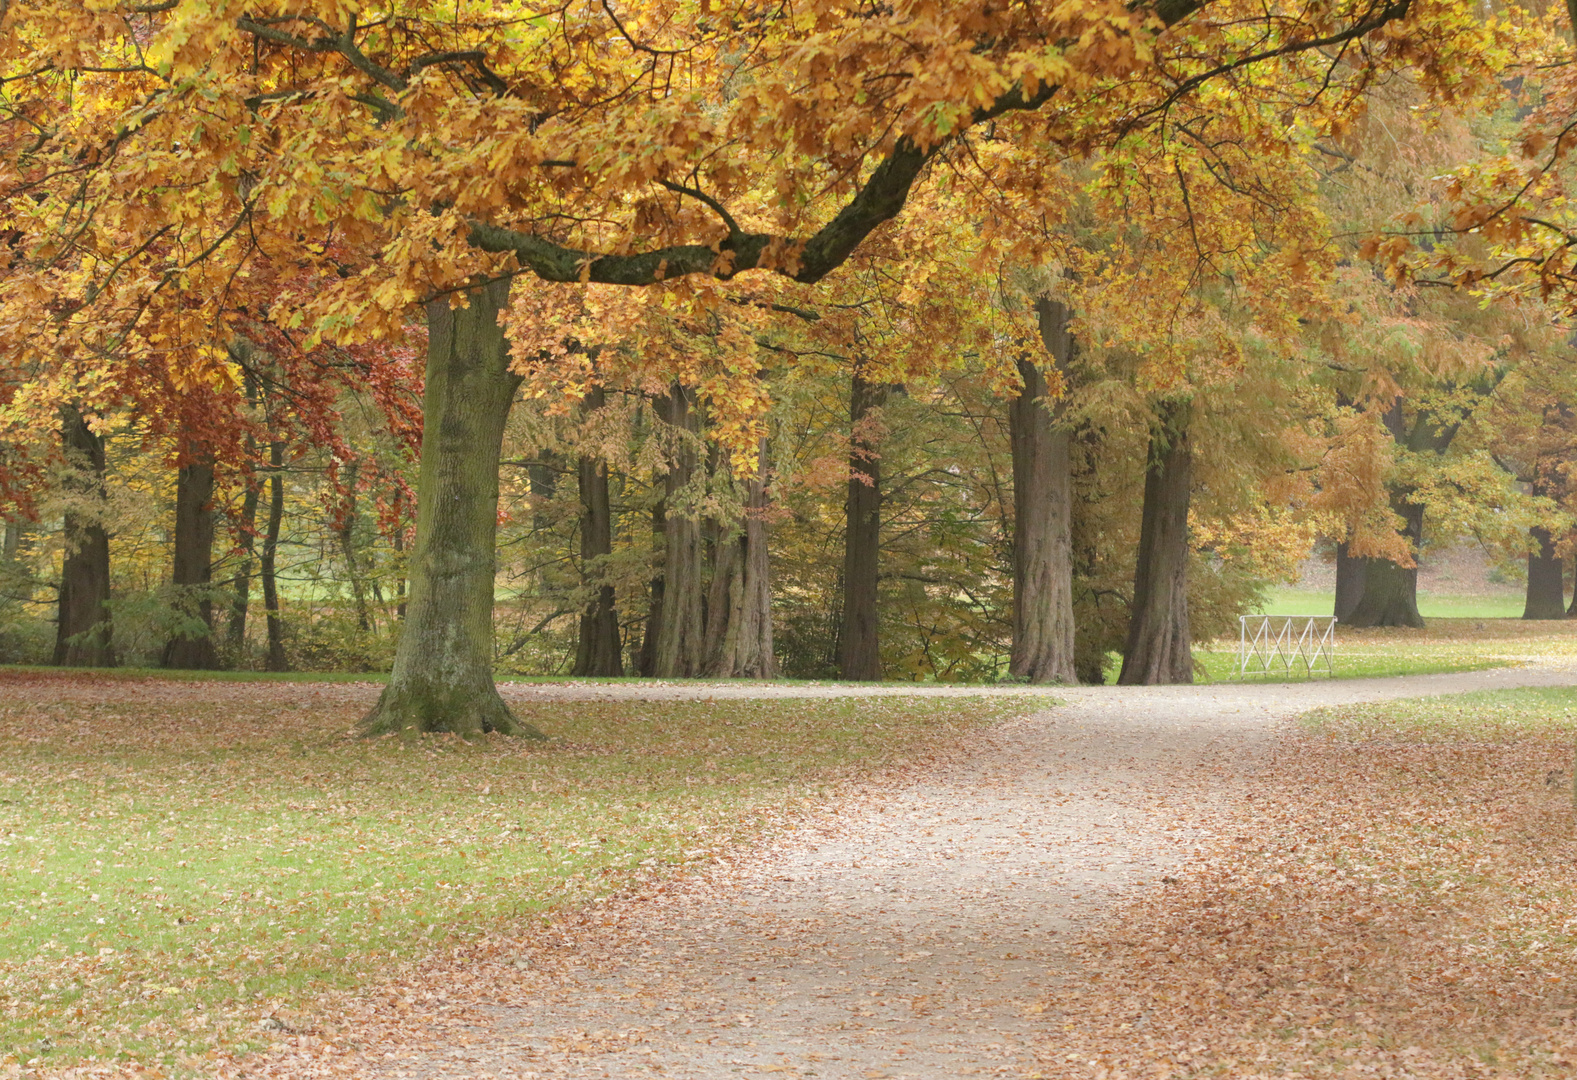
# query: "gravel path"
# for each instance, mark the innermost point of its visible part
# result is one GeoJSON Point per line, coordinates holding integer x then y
{"type": "Point", "coordinates": [915, 934]}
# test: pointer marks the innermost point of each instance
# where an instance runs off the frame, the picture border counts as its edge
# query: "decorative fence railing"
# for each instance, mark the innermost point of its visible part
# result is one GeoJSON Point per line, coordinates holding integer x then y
{"type": "Point", "coordinates": [1283, 643]}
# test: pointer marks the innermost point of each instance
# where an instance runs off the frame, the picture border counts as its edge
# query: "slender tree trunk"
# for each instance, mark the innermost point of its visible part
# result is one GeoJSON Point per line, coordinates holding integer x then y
{"type": "Point", "coordinates": [1546, 596]}
{"type": "Point", "coordinates": [241, 584]}
{"type": "Point", "coordinates": [83, 632]}
{"type": "Point", "coordinates": [739, 611]}
{"type": "Point", "coordinates": [646, 662]}
{"type": "Point", "coordinates": [347, 541]}
{"type": "Point", "coordinates": [1158, 649]}
{"type": "Point", "coordinates": [1042, 514]}
{"type": "Point", "coordinates": [398, 541]}
{"type": "Point", "coordinates": [1350, 573]}
{"type": "Point", "coordinates": [275, 660]}
{"type": "Point", "coordinates": [598, 650]}
{"type": "Point", "coordinates": [859, 643]}
{"type": "Point", "coordinates": [193, 648]}
{"type": "Point", "coordinates": [1390, 591]}
{"type": "Point", "coordinates": [682, 628]}
{"type": "Point", "coordinates": [443, 668]}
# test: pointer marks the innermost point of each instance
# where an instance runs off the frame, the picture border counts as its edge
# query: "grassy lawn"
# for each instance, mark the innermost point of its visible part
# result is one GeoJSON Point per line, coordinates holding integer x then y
{"type": "Point", "coordinates": [1389, 894]}
{"type": "Point", "coordinates": [183, 859]}
{"type": "Point", "coordinates": [1291, 601]}
{"type": "Point", "coordinates": [1446, 644]}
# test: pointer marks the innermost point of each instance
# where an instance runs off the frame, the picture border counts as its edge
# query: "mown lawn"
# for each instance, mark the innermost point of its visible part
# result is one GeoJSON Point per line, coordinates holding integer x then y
{"type": "Point", "coordinates": [1466, 644]}
{"type": "Point", "coordinates": [183, 859]}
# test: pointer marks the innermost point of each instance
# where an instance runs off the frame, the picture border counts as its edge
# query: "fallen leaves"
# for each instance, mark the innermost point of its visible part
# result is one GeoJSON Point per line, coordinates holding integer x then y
{"type": "Point", "coordinates": [1391, 896]}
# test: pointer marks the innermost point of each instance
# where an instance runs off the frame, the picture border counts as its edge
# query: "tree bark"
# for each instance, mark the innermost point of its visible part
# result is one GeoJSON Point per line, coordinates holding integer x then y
{"type": "Point", "coordinates": [241, 584]}
{"type": "Point", "coordinates": [646, 662]}
{"type": "Point", "coordinates": [268, 568]}
{"type": "Point", "coordinates": [193, 647]}
{"type": "Point", "coordinates": [1349, 582]}
{"type": "Point", "coordinates": [1390, 591]}
{"type": "Point", "coordinates": [1158, 648]}
{"type": "Point", "coordinates": [84, 635]}
{"type": "Point", "coordinates": [1042, 649]}
{"type": "Point", "coordinates": [1546, 595]}
{"type": "Point", "coordinates": [598, 650]}
{"type": "Point", "coordinates": [443, 668]}
{"type": "Point", "coordinates": [347, 540]}
{"type": "Point", "coordinates": [681, 628]}
{"type": "Point", "coordinates": [859, 643]}
{"type": "Point", "coordinates": [739, 610]}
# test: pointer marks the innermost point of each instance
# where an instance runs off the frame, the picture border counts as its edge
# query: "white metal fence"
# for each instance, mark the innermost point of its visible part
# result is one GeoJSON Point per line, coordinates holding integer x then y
{"type": "Point", "coordinates": [1284, 643]}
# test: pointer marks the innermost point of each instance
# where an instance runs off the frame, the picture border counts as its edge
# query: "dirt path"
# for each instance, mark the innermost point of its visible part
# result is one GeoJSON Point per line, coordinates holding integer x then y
{"type": "Point", "coordinates": [911, 937]}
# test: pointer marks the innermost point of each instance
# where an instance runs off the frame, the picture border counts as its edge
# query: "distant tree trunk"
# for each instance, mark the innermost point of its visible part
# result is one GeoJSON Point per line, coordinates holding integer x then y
{"type": "Point", "coordinates": [646, 661]}
{"type": "Point", "coordinates": [443, 667]}
{"type": "Point", "coordinates": [241, 584]}
{"type": "Point", "coordinates": [268, 570]}
{"type": "Point", "coordinates": [598, 650]}
{"type": "Point", "coordinates": [1158, 649]}
{"type": "Point", "coordinates": [193, 648]}
{"type": "Point", "coordinates": [1390, 591]}
{"type": "Point", "coordinates": [859, 643]}
{"type": "Point", "coordinates": [347, 542]}
{"type": "Point", "coordinates": [1349, 582]}
{"type": "Point", "coordinates": [681, 629]}
{"type": "Point", "coordinates": [739, 610]}
{"type": "Point", "coordinates": [1546, 596]}
{"type": "Point", "coordinates": [1042, 514]}
{"type": "Point", "coordinates": [398, 542]}
{"type": "Point", "coordinates": [83, 632]}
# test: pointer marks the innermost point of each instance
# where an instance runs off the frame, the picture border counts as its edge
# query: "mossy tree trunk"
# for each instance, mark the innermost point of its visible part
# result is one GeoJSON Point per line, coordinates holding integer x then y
{"type": "Point", "coordinates": [443, 669]}
{"type": "Point", "coordinates": [598, 650]}
{"type": "Point", "coordinates": [1042, 649]}
{"type": "Point", "coordinates": [192, 645]}
{"type": "Point", "coordinates": [83, 632]}
{"type": "Point", "coordinates": [859, 643]}
{"type": "Point", "coordinates": [1159, 650]}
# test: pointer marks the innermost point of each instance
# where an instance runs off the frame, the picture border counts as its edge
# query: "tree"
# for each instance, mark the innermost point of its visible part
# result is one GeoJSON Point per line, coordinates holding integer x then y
{"type": "Point", "coordinates": [859, 650]}
{"type": "Point", "coordinates": [84, 634]}
{"type": "Point", "coordinates": [443, 670]}
{"type": "Point", "coordinates": [1043, 625]}
{"type": "Point", "coordinates": [1159, 648]}
{"type": "Point", "coordinates": [598, 649]}
{"type": "Point", "coordinates": [570, 144]}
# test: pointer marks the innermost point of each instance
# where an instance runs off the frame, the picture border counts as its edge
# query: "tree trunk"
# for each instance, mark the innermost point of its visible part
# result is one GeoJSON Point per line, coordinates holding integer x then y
{"type": "Point", "coordinates": [192, 647]}
{"type": "Point", "coordinates": [1390, 592]}
{"type": "Point", "coordinates": [681, 629]}
{"type": "Point", "coordinates": [1042, 512]}
{"type": "Point", "coordinates": [1349, 582]}
{"type": "Point", "coordinates": [598, 650]}
{"type": "Point", "coordinates": [1546, 597]}
{"type": "Point", "coordinates": [241, 584]}
{"type": "Point", "coordinates": [646, 662]}
{"type": "Point", "coordinates": [83, 632]}
{"type": "Point", "coordinates": [1158, 648]}
{"type": "Point", "coordinates": [859, 643]}
{"type": "Point", "coordinates": [739, 611]}
{"type": "Point", "coordinates": [443, 668]}
{"type": "Point", "coordinates": [276, 660]}
{"type": "Point", "coordinates": [347, 541]}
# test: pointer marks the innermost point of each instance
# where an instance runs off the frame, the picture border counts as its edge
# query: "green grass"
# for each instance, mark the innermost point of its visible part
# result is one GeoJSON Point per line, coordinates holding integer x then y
{"type": "Point", "coordinates": [183, 859]}
{"type": "Point", "coordinates": [1482, 716]}
{"type": "Point", "coordinates": [1288, 601]}
{"type": "Point", "coordinates": [1445, 645]}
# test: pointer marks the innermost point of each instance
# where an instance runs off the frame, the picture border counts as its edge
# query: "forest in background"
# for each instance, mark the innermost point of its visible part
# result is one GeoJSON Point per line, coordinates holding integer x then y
{"type": "Point", "coordinates": [924, 342]}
